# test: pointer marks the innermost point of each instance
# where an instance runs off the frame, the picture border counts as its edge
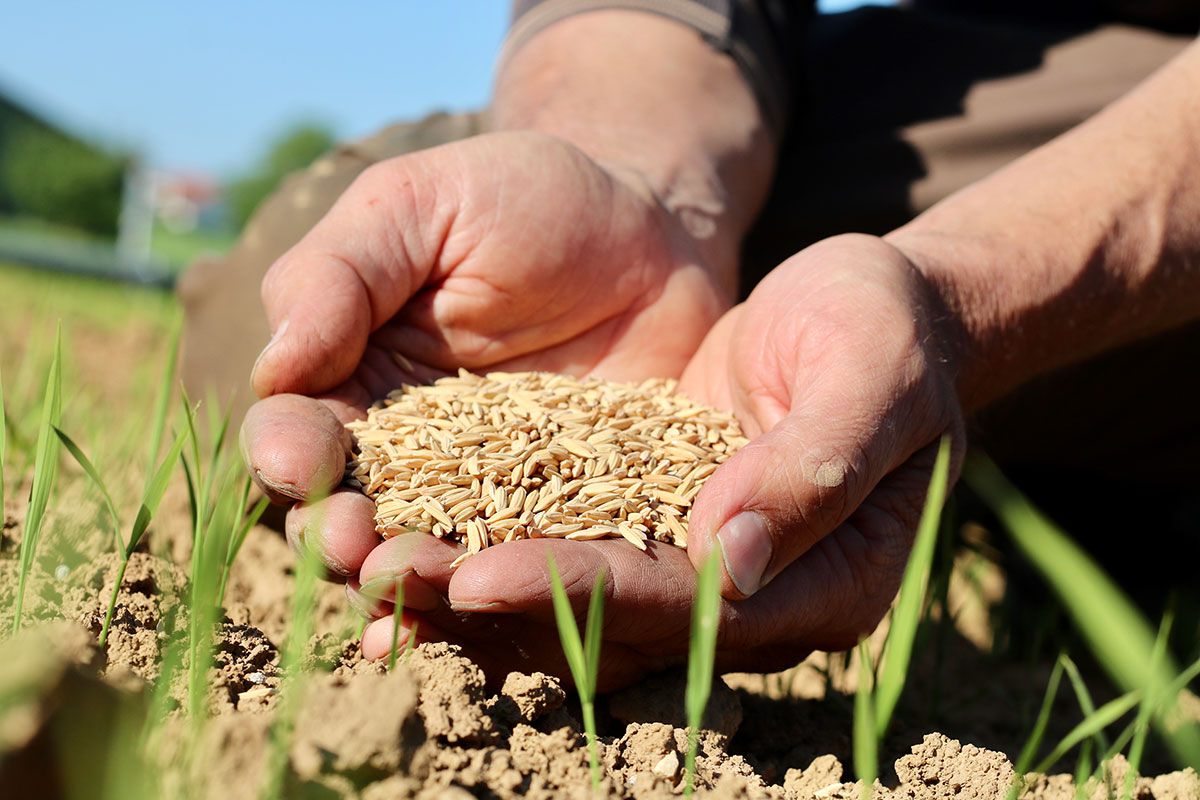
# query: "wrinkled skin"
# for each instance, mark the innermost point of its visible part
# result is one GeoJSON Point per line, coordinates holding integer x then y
{"type": "Point", "coordinates": [836, 365]}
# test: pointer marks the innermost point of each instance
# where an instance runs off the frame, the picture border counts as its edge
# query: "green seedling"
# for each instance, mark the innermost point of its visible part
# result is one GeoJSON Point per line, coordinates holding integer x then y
{"type": "Point", "coordinates": [1099, 742]}
{"type": "Point", "coordinates": [89, 469]}
{"type": "Point", "coordinates": [1151, 699]}
{"type": "Point", "coordinates": [45, 468]}
{"type": "Point", "coordinates": [1104, 716]}
{"type": "Point", "coordinates": [702, 652]}
{"type": "Point", "coordinates": [397, 616]}
{"type": "Point", "coordinates": [411, 644]}
{"type": "Point", "coordinates": [156, 487]}
{"type": "Point", "coordinates": [865, 742]}
{"type": "Point", "coordinates": [1115, 630]}
{"type": "Point", "coordinates": [583, 655]}
{"type": "Point", "coordinates": [906, 617]}
{"type": "Point", "coordinates": [247, 521]}
{"type": "Point", "coordinates": [3, 444]}
{"type": "Point", "coordinates": [1038, 734]}
{"type": "Point", "coordinates": [291, 664]}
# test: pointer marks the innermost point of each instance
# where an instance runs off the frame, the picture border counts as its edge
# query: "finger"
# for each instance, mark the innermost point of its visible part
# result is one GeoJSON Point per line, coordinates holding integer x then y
{"type": "Point", "coordinates": [340, 529]}
{"type": "Point", "coordinates": [839, 590]}
{"type": "Point", "coordinates": [422, 563]}
{"type": "Point", "coordinates": [515, 578]}
{"type": "Point", "coordinates": [849, 424]}
{"type": "Point", "coordinates": [294, 447]}
{"type": "Point", "coordinates": [704, 377]}
{"type": "Point", "coordinates": [380, 636]}
{"type": "Point", "coordinates": [354, 270]}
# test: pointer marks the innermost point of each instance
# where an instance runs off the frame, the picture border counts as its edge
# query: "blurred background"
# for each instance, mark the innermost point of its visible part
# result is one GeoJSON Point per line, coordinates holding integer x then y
{"type": "Point", "coordinates": [136, 135]}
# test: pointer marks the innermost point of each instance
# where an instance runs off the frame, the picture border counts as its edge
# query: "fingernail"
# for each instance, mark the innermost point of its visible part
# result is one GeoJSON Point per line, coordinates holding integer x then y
{"type": "Point", "coordinates": [468, 606]}
{"type": "Point", "coordinates": [380, 588]}
{"type": "Point", "coordinates": [745, 544]}
{"type": "Point", "coordinates": [278, 487]}
{"type": "Point", "coordinates": [362, 605]}
{"type": "Point", "coordinates": [275, 337]}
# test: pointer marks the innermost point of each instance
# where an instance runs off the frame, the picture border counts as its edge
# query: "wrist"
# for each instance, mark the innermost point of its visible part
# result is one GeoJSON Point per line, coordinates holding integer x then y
{"type": "Point", "coordinates": [983, 366]}
{"type": "Point", "coordinates": [657, 107]}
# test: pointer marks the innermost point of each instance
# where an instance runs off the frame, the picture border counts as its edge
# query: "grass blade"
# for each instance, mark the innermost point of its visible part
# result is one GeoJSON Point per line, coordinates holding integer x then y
{"type": "Point", "coordinates": [93, 474]}
{"type": "Point", "coordinates": [1086, 704]}
{"type": "Point", "coordinates": [1115, 630]}
{"type": "Point", "coordinates": [1151, 697]}
{"type": "Point", "coordinates": [3, 444]}
{"type": "Point", "coordinates": [45, 468]}
{"type": "Point", "coordinates": [1034, 742]}
{"type": "Point", "coordinates": [568, 631]}
{"type": "Point", "coordinates": [1105, 715]}
{"type": "Point", "coordinates": [580, 660]}
{"type": "Point", "coordinates": [1098, 743]}
{"type": "Point", "coordinates": [248, 521]}
{"type": "Point", "coordinates": [702, 652]}
{"type": "Point", "coordinates": [397, 616]}
{"type": "Point", "coordinates": [593, 632]}
{"type": "Point", "coordinates": [865, 743]}
{"type": "Point", "coordinates": [291, 665]}
{"type": "Point", "coordinates": [907, 614]}
{"type": "Point", "coordinates": [156, 487]}
{"type": "Point", "coordinates": [162, 402]}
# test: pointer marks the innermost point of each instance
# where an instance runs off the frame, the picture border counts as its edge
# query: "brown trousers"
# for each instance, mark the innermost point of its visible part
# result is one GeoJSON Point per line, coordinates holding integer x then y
{"type": "Point", "coordinates": [900, 109]}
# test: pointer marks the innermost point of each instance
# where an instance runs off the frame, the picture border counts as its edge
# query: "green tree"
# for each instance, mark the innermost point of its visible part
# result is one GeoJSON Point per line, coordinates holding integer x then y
{"type": "Point", "coordinates": [294, 150]}
{"type": "Point", "coordinates": [52, 177]}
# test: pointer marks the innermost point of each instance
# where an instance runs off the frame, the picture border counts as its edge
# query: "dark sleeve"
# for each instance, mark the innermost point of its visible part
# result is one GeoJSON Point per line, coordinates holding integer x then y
{"type": "Point", "coordinates": [757, 34]}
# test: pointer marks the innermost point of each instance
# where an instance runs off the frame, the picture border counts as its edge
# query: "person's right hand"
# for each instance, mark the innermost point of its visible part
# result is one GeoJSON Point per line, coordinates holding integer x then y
{"type": "Point", "coordinates": [508, 251]}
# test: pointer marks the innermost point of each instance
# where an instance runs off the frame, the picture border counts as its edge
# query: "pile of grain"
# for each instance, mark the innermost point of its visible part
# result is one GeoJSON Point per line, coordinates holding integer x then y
{"type": "Point", "coordinates": [489, 459]}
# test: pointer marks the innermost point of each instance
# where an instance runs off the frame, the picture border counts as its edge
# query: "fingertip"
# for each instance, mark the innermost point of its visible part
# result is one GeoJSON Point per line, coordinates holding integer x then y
{"type": "Point", "coordinates": [426, 556]}
{"type": "Point", "coordinates": [340, 529]}
{"type": "Point", "coordinates": [294, 447]}
{"type": "Point", "coordinates": [377, 637]}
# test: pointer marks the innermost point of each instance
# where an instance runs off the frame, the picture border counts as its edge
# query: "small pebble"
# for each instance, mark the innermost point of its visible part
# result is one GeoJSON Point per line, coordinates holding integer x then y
{"type": "Point", "coordinates": [668, 765]}
{"type": "Point", "coordinates": [256, 677]}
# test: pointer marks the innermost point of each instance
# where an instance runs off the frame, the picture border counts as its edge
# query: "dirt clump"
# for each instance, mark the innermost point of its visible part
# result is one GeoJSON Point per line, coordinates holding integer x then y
{"type": "Point", "coordinates": [145, 612]}
{"type": "Point", "coordinates": [823, 772]}
{"type": "Point", "coordinates": [940, 767]}
{"type": "Point", "coordinates": [365, 727]}
{"type": "Point", "coordinates": [528, 698]}
{"type": "Point", "coordinates": [453, 695]}
{"type": "Point", "coordinates": [1182, 785]}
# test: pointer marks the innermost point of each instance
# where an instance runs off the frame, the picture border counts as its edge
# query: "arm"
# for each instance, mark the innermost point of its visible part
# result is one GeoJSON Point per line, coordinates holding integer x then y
{"type": "Point", "coordinates": [646, 97]}
{"type": "Point", "coordinates": [1088, 243]}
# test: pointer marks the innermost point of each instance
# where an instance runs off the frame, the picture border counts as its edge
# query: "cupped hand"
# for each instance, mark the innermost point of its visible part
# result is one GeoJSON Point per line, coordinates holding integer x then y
{"type": "Point", "coordinates": [840, 366]}
{"type": "Point", "coordinates": [507, 251]}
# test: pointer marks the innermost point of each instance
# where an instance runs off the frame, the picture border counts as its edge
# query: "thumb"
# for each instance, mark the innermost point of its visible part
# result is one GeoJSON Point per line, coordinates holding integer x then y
{"type": "Point", "coordinates": [775, 498]}
{"type": "Point", "coordinates": [351, 273]}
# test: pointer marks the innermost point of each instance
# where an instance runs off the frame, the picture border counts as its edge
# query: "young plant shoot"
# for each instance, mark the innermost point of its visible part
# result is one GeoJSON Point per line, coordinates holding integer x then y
{"type": "Point", "coordinates": [583, 655]}
{"type": "Point", "coordinates": [702, 652]}
{"type": "Point", "coordinates": [45, 468]}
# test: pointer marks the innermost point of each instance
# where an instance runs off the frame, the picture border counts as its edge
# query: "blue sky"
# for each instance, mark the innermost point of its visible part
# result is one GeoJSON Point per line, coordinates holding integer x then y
{"type": "Point", "coordinates": [204, 86]}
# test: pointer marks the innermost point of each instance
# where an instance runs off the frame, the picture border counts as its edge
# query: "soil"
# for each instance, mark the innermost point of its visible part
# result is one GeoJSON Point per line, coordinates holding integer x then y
{"type": "Point", "coordinates": [436, 726]}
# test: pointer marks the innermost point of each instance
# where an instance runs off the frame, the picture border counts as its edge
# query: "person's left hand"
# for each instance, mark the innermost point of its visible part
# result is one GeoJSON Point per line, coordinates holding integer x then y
{"type": "Point", "coordinates": [839, 365]}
